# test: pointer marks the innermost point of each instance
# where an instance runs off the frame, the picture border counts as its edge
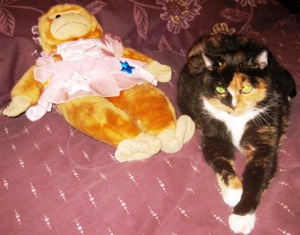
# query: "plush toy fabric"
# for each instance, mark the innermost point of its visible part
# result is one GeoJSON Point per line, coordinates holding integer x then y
{"type": "Point", "coordinates": [89, 67]}
{"type": "Point", "coordinates": [101, 88]}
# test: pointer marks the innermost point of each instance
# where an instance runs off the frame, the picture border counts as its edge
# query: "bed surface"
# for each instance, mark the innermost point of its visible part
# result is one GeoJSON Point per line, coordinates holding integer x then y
{"type": "Point", "coordinates": [56, 180]}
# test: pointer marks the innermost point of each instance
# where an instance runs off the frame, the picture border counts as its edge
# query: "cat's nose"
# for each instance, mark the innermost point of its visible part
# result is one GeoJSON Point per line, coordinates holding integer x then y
{"type": "Point", "coordinates": [233, 107]}
{"type": "Point", "coordinates": [233, 103]}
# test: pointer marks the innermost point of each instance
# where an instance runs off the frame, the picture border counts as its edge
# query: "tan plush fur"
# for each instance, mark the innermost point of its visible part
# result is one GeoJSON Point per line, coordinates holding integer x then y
{"type": "Point", "coordinates": [49, 42]}
{"type": "Point", "coordinates": [133, 121]}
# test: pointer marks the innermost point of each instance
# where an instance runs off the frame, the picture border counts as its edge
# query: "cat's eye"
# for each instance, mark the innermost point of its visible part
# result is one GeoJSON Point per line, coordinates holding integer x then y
{"type": "Point", "coordinates": [220, 89]}
{"type": "Point", "coordinates": [246, 89]}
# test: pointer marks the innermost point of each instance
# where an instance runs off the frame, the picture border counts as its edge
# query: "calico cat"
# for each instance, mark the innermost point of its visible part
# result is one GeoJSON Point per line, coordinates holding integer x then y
{"type": "Point", "coordinates": [238, 96]}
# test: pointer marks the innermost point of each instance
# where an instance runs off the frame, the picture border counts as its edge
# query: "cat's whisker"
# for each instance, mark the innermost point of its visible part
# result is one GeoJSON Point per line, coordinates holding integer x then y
{"type": "Point", "coordinates": [221, 76]}
{"type": "Point", "coordinates": [260, 120]}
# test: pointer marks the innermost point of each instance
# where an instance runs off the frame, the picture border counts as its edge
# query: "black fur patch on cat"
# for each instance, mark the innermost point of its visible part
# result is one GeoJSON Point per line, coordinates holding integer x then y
{"type": "Point", "coordinates": [238, 96]}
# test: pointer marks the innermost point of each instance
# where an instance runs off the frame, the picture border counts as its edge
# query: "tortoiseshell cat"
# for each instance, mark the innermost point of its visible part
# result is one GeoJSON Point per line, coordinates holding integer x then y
{"type": "Point", "coordinates": [238, 96]}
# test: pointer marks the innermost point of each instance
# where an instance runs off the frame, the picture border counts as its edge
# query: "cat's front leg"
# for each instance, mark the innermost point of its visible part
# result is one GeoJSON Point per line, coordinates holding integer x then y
{"type": "Point", "coordinates": [219, 154]}
{"type": "Point", "coordinates": [259, 171]}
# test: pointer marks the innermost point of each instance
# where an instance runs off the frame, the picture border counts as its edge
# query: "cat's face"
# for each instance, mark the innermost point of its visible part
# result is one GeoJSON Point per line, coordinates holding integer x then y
{"type": "Point", "coordinates": [235, 84]}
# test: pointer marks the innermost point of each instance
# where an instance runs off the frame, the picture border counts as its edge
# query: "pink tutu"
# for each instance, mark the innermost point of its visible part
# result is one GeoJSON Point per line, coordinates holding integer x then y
{"type": "Point", "coordinates": [90, 67]}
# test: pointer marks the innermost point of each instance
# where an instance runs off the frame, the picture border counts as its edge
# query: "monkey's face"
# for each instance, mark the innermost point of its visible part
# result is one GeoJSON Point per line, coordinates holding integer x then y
{"type": "Point", "coordinates": [67, 22]}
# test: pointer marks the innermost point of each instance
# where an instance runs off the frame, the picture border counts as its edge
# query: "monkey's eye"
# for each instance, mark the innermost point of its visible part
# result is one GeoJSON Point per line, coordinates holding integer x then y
{"type": "Point", "coordinates": [59, 14]}
{"type": "Point", "coordinates": [220, 89]}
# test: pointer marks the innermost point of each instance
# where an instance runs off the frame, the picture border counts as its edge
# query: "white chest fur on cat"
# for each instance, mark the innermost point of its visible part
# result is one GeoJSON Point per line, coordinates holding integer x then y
{"type": "Point", "coordinates": [234, 124]}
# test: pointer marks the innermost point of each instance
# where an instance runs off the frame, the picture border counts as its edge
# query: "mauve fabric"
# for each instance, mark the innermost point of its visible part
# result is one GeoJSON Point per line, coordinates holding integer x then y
{"type": "Point", "coordinates": [56, 180]}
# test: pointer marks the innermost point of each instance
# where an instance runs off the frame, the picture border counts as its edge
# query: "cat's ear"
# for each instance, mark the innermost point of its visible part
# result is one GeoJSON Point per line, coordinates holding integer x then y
{"type": "Point", "coordinates": [196, 49]}
{"type": "Point", "coordinates": [207, 61]}
{"type": "Point", "coordinates": [262, 59]}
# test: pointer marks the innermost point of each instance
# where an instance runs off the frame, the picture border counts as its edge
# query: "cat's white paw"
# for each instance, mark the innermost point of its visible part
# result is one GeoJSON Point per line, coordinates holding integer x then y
{"type": "Point", "coordinates": [242, 224]}
{"type": "Point", "coordinates": [231, 192]}
{"type": "Point", "coordinates": [232, 196]}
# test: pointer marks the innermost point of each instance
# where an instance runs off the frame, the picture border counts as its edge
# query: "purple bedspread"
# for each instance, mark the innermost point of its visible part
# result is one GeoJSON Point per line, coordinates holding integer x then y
{"type": "Point", "coordinates": [56, 180]}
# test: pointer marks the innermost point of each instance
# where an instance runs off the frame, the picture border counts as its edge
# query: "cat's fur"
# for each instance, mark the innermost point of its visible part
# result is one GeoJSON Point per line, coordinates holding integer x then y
{"type": "Point", "coordinates": [249, 113]}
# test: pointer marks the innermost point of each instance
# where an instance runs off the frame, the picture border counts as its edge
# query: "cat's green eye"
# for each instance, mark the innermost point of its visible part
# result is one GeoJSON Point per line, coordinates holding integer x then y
{"type": "Point", "coordinates": [220, 89]}
{"type": "Point", "coordinates": [246, 89]}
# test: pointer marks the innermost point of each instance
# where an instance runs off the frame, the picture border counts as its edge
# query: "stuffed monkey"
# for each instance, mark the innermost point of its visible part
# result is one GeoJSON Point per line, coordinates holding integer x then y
{"type": "Point", "coordinates": [136, 118]}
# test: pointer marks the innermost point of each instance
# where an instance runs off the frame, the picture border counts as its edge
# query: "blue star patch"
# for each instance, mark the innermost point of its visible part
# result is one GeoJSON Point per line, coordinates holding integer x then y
{"type": "Point", "coordinates": [126, 68]}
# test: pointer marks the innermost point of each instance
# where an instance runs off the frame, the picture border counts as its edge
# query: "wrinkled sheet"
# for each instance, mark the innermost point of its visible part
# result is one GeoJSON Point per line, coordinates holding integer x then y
{"type": "Point", "coordinates": [56, 180]}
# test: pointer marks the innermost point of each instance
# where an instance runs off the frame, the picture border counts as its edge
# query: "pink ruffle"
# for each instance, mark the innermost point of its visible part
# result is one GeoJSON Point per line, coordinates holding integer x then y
{"type": "Point", "coordinates": [89, 67]}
